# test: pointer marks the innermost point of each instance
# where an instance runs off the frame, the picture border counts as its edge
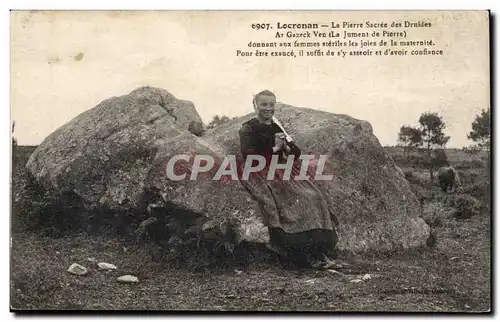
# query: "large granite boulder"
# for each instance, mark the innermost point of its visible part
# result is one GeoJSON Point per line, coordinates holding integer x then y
{"type": "Point", "coordinates": [113, 155]}
{"type": "Point", "coordinates": [369, 194]}
{"type": "Point", "coordinates": [117, 152]}
{"type": "Point", "coordinates": [105, 153]}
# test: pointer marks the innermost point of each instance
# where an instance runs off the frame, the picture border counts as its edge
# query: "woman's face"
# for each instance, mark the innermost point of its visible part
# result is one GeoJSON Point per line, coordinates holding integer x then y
{"type": "Point", "coordinates": [265, 106]}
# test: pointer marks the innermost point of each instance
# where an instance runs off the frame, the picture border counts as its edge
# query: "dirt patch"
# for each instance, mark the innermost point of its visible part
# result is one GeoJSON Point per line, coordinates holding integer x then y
{"type": "Point", "coordinates": [420, 283]}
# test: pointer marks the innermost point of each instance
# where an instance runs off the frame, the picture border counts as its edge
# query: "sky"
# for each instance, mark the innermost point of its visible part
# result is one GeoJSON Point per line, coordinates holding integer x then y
{"type": "Point", "coordinates": [66, 62]}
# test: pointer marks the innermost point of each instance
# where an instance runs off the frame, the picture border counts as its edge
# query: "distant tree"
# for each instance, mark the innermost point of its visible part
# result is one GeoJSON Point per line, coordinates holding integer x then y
{"type": "Point", "coordinates": [217, 121]}
{"type": "Point", "coordinates": [481, 130]}
{"type": "Point", "coordinates": [409, 137]}
{"type": "Point", "coordinates": [433, 137]}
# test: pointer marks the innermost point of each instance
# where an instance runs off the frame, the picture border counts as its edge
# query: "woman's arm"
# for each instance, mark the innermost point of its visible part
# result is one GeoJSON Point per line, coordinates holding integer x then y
{"type": "Point", "coordinates": [249, 145]}
{"type": "Point", "coordinates": [246, 140]}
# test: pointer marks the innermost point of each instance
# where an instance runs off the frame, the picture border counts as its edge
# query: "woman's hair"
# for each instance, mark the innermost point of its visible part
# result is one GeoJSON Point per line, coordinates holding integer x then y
{"type": "Point", "coordinates": [262, 93]}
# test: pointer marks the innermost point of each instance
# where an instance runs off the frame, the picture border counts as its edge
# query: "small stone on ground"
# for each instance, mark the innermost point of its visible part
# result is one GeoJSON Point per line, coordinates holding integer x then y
{"type": "Point", "coordinates": [106, 266]}
{"type": "Point", "coordinates": [77, 269]}
{"type": "Point", "coordinates": [127, 279]}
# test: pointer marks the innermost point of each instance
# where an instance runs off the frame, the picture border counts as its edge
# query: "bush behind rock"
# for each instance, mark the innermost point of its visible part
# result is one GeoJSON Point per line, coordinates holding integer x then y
{"type": "Point", "coordinates": [435, 213]}
{"type": "Point", "coordinates": [465, 206]}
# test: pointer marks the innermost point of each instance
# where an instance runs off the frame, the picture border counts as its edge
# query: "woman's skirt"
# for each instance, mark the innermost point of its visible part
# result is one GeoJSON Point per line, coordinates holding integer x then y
{"type": "Point", "coordinates": [296, 211]}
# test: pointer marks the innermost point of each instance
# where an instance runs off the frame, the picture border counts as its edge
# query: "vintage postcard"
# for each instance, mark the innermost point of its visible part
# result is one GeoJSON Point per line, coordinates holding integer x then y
{"type": "Point", "coordinates": [333, 161]}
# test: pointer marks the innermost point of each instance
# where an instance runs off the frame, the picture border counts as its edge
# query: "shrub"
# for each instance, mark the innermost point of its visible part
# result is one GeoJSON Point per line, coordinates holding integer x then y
{"type": "Point", "coordinates": [417, 160]}
{"type": "Point", "coordinates": [473, 149]}
{"type": "Point", "coordinates": [479, 191]}
{"type": "Point", "coordinates": [420, 192]}
{"type": "Point", "coordinates": [439, 158]}
{"type": "Point", "coordinates": [53, 214]}
{"type": "Point", "coordinates": [434, 213]}
{"type": "Point", "coordinates": [218, 121]}
{"type": "Point", "coordinates": [470, 164]}
{"type": "Point", "coordinates": [419, 178]}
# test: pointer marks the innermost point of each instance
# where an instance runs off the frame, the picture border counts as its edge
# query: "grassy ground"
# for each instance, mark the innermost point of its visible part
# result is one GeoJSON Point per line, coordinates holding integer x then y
{"type": "Point", "coordinates": [452, 275]}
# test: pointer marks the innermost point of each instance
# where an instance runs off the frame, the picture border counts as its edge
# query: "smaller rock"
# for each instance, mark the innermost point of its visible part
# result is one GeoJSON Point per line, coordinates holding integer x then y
{"type": "Point", "coordinates": [357, 280]}
{"type": "Point", "coordinates": [335, 272]}
{"type": "Point", "coordinates": [77, 269]}
{"type": "Point", "coordinates": [106, 266]}
{"type": "Point", "coordinates": [336, 264]}
{"type": "Point", "coordinates": [196, 128]}
{"type": "Point", "coordinates": [367, 277]}
{"type": "Point", "coordinates": [332, 264]}
{"type": "Point", "coordinates": [127, 279]}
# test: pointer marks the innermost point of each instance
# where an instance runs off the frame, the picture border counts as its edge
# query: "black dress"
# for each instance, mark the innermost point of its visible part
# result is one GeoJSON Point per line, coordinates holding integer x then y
{"type": "Point", "coordinates": [259, 138]}
{"type": "Point", "coordinates": [314, 236]}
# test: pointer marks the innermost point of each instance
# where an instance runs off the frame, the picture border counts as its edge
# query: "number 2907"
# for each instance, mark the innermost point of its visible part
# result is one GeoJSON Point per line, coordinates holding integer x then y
{"type": "Point", "coordinates": [263, 26]}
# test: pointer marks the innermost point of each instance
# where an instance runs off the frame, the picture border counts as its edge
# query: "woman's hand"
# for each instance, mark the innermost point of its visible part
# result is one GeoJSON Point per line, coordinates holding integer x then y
{"type": "Point", "coordinates": [280, 143]}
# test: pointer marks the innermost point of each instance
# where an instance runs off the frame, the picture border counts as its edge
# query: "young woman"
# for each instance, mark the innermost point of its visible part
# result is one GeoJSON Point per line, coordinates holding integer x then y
{"type": "Point", "coordinates": [297, 214]}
